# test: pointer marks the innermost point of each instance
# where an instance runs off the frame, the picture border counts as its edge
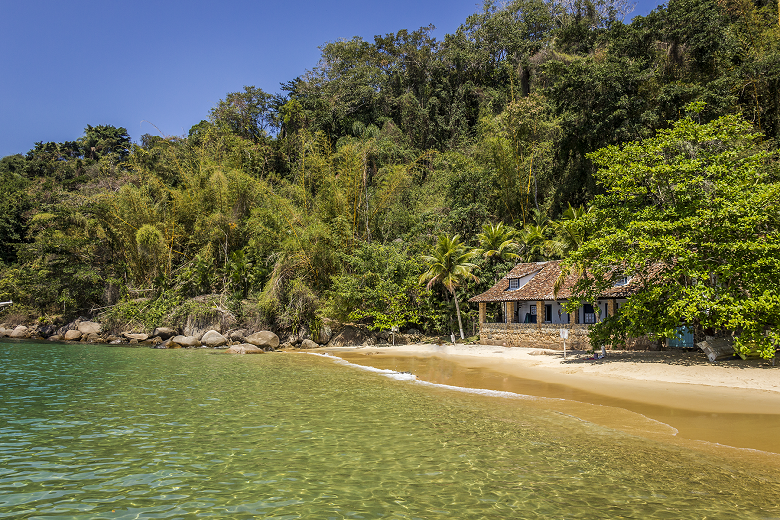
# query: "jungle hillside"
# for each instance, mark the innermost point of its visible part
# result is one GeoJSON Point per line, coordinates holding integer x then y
{"type": "Point", "coordinates": [333, 198]}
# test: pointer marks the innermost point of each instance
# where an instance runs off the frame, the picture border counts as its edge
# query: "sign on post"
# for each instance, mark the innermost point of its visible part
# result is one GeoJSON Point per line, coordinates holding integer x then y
{"type": "Point", "coordinates": [564, 336]}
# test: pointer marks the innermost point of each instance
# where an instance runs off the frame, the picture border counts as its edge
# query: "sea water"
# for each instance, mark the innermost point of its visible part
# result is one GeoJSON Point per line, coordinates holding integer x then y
{"type": "Point", "coordinates": [107, 432]}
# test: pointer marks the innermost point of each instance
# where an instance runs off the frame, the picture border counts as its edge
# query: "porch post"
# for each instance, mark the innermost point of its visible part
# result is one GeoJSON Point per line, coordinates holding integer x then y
{"type": "Point", "coordinates": [482, 313]}
{"type": "Point", "coordinates": [510, 312]}
{"type": "Point", "coordinates": [611, 307]}
{"type": "Point", "coordinates": [541, 310]}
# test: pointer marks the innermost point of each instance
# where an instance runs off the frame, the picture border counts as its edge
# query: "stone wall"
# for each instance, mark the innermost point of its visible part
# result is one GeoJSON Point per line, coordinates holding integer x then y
{"type": "Point", "coordinates": [532, 335]}
{"type": "Point", "coordinates": [548, 336]}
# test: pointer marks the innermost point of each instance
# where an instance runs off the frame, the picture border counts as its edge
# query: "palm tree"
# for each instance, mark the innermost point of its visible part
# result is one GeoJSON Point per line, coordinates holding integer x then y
{"type": "Point", "coordinates": [497, 243]}
{"type": "Point", "coordinates": [570, 229]}
{"type": "Point", "coordinates": [449, 264]}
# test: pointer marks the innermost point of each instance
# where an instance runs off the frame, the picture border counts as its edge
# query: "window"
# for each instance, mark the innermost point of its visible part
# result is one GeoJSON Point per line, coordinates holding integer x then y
{"type": "Point", "coordinates": [514, 283]}
{"type": "Point", "coordinates": [620, 282]}
{"type": "Point", "coordinates": [548, 313]}
{"type": "Point", "coordinates": [590, 314]}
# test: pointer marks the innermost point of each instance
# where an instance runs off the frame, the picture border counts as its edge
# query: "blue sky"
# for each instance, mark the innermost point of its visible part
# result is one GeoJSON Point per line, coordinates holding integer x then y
{"type": "Point", "coordinates": [67, 64]}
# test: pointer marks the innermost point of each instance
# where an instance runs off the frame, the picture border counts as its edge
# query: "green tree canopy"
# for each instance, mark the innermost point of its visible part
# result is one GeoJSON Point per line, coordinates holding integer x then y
{"type": "Point", "coordinates": [692, 215]}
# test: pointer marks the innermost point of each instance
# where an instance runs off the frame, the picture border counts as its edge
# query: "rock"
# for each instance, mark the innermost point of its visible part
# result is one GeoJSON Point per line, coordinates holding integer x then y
{"type": "Point", "coordinates": [164, 333]}
{"type": "Point", "coordinates": [90, 327]}
{"type": "Point", "coordinates": [244, 348]}
{"type": "Point", "coordinates": [133, 341]}
{"type": "Point", "coordinates": [303, 334]}
{"type": "Point", "coordinates": [55, 337]}
{"type": "Point", "coordinates": [47, 330]}
{"type": "Point", "coordinates": [213, 339]}
{"type": "Point", "coordinates": [323, 335]}
{"type": "Point", "coordinates": [4, 333]}
{"type": "Point", "coordinates": [184, 342]}
{"type": "Point", "coordinates": [286, 345]}
{"type": "Point", "coordinates": [307, 344]}
{"type": "Point", "coordinates": [72, 335]}
{"type": "Point", "coordinates": [91, 338]}
{"type": "Point", "coordinates": [351, 336]}
{"type": "Point", "coordinates": [263, 338]}
{"type": "Point", "coordinates": [19, 332]}
{"type": "Point", "coordinates": [239, 336]}
{"type": "Point", "coordinates": [135, 336]}
{"type": "Point", "coordinates": [413, 332]}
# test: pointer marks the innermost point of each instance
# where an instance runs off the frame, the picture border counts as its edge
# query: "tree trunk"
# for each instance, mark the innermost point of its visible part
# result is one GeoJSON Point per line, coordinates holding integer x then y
{"type": "Point", "coordinates": [457, 309]}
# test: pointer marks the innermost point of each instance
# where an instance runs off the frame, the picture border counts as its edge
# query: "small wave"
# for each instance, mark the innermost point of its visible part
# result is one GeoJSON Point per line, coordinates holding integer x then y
{"type": "Point", "coordinates": [392, 374]}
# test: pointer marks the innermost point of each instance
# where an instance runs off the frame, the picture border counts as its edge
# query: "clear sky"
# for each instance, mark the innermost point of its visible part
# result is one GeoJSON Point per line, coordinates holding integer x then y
{"type": "Point", "coordinates": [67, 64]}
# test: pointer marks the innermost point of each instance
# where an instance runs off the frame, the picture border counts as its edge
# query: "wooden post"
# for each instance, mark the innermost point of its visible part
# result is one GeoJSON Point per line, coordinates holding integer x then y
{"type": "Point", "coordinates": [611, 307]}
{"type": "Point", "coordinates": [482, 312]}
{"type": "Point", "coordinates": [540, 314]}
{"type": "Point", "coordinates": [510, 312]}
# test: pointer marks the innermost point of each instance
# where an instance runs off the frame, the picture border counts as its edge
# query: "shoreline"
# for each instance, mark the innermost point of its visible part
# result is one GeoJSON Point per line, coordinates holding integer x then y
{"type": "Point", "coordinates": [730, 404]}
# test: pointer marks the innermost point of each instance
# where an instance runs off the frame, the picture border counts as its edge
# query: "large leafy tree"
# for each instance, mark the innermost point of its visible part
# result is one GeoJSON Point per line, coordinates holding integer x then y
{"type": "Point", "coordinates": [692, 215]}
{"type": "Point", "coordinates": [450, 265]}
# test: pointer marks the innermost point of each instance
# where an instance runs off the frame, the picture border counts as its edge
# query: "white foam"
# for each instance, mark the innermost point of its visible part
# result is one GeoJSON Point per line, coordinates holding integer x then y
{"type": "Point", "coordinates": [392, 374]}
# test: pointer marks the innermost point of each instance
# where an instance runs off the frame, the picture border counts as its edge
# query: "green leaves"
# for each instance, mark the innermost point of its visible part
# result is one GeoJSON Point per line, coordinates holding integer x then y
{"type": "Point", "coordinates": [690, 213]}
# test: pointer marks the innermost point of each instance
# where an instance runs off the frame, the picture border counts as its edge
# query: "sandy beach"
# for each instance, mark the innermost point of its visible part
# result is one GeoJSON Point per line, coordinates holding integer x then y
{"type": "Point", "coordinates": [732, 402]}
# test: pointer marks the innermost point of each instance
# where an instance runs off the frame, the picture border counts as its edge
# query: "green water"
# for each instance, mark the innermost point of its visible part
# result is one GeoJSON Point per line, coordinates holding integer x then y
{"type": "Point", "coordinates": [102, 432]}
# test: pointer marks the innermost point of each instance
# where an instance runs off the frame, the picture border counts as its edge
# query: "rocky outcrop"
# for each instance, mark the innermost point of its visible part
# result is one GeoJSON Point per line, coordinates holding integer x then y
{"type": "Point", "coordinates": [264, 339]}
{"type": "Point", "coordinates": [213, 339]}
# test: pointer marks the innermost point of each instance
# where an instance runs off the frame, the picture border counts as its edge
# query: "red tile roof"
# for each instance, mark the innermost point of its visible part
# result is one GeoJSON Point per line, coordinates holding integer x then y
{"type": "Point", "coordinates": [542, 285]}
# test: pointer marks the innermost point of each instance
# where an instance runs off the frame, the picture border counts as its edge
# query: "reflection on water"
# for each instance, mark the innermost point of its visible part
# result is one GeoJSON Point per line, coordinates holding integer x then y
{"type": "Point", "coordinates": [101, 432]}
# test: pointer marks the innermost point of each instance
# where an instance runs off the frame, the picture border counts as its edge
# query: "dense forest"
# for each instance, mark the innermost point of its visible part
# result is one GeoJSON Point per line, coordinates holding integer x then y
{"type": "Point", "coordinates": [328, 199]}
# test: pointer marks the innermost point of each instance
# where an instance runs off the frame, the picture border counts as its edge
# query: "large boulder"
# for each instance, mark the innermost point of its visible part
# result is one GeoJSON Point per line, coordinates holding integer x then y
{"type": "Point", "coordinates": [263, 339]}
{"type": "Point", "coordinates": [184, 342]}
{"type": "Point", "coordinates": [213, 339]}
{"type": "Point", "coordinates": [244, 348]}
{"type": "Point", "coordinates": [19, 332]}
{"type": "Point", "coordinates": [90, 327]}
{"type": "Point", "coordinates": [140, 336]}
{"type": "Point", "coordinates": [323, 335]}
{"type": "Point", "coordinates": [72, 335]}
{"type": "Point", "coordinates": [307, 344]}
{"type": "Point", "coordinates": [164, 333]}
{"type": "Point", "coordinates": [352, 336]}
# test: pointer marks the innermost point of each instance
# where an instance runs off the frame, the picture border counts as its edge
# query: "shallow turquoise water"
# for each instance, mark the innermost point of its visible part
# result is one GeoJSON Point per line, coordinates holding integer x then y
{"type": "Point", "coordinates": [103, 432]}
